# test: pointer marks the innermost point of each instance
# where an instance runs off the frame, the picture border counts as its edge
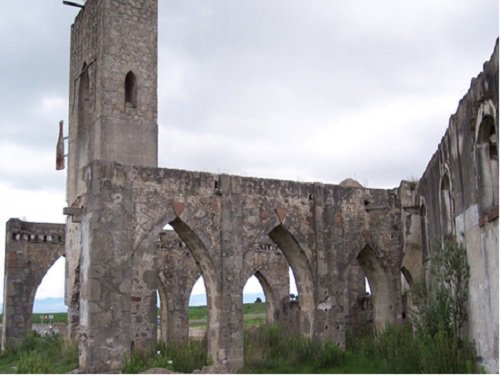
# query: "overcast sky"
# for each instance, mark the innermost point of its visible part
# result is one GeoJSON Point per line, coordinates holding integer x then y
{"type": "Point", "coordinates": [316, 90]}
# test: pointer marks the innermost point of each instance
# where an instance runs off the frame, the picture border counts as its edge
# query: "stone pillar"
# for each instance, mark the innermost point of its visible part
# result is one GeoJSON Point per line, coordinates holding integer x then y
{"type": "Point", "coordinates": [176, 307]}
{"type": "Point", "coordinates": [230, 353]}
{"type": "Point", "coordinates": [106, 270]}
{"type": "Point", "coordinates": [144, 286]}
{"type": "Point", "coordinates": [73, 248]}
{"type": "Point", "coordinates": [330, 309]}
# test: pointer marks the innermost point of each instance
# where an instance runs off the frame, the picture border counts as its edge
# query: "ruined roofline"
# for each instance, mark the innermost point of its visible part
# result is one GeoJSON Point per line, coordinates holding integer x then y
{"type": "Point", "coordinates": [15, 223]}
{"type": "Point", "coordinates": [491, 64]}
{"type": "Point", "coordinates": [113, 166]}
{"type": "Point", "coordinates": [49, 233]}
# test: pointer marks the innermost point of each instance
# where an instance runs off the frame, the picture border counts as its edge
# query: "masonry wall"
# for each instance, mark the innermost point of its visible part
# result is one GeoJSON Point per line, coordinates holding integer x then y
{"type": "Point", "coordinates": [30, 250]}
{"type": "Point", "coordinates": [457, 197]}
{"type": "Point", "coordinates": [112, 116]}
{"type": "Point", "coordinates": [321, 230]}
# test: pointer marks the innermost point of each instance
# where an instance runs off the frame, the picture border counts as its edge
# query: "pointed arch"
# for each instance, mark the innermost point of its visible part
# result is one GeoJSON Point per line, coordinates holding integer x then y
{"type": "Point", "coordinates": [271, 295]}
{"type": "Point", "coordinates": [202, 257]}
{"type": "Point", "coordinates": [301, 268]}
{"type": "Point", "coordinates": [379, 285]}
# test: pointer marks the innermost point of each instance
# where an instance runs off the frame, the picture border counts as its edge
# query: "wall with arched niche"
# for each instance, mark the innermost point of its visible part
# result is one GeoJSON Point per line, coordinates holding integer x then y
{"type": "Point", "coordinates": [31, 249]}
{"type": "Point", "coordinates": [458, 199]}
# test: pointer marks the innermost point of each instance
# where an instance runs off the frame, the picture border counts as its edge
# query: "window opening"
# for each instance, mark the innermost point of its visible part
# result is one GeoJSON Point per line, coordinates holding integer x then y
{"type": "Point", "coordinates": [130, 90]}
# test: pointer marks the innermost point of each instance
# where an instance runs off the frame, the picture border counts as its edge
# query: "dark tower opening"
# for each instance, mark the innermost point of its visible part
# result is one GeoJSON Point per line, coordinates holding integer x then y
{"type": "Point", "coordinates": [130, 90]}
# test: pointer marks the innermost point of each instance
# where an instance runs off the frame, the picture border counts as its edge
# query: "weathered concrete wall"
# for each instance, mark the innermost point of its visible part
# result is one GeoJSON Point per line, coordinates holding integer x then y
{"type": "Point", "coordinates": [457, 197]}
{"type": "Point", "coordinates": [30, 250]}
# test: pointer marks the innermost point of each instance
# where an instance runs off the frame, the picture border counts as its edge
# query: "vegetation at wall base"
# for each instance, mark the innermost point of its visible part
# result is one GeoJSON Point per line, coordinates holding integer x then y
{"type": "Point", "coordinates": [182, 357]}
{"type": "Point", "coordinates": [40, 355]}
{"type": "Point", "coordinates": [272, 349]}
{"type": "Point", "coordinates": [432, 341]}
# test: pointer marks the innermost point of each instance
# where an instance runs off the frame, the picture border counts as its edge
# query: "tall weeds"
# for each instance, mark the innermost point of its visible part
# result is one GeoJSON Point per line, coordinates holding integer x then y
{"type": "Point", "coordinates": [41, 354]}
{"type": "Point", "coordinates": [270, 349]}
{"type": "Point", "coordinates": [182, 357]}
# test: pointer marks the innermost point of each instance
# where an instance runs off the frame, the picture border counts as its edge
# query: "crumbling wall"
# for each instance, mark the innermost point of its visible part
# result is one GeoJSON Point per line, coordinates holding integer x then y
{"type": "Point", "coordinates": [457, 198]}
{"type": "Point", "coordinates": [30, 250]}
{"type": "Point", "coordinates": [319, 229]}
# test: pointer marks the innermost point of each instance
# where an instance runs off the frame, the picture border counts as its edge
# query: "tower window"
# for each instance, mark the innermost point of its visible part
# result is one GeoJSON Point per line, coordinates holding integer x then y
{"type": "Point", "coordinates": [130, 90]}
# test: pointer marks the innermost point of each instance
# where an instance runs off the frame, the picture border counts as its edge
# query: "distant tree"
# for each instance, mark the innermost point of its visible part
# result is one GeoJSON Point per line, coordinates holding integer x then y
{"type": "Point", "coordinates": [258, 300]}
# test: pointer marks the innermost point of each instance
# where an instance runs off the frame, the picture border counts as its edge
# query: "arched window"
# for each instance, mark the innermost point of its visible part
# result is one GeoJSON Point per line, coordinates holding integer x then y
{"type": "Point", "coordinates": [487, 163]}
{"type": "Point", "coordinates": [130, 90]}
{"type": "Point", "coordinates": [446, 207]}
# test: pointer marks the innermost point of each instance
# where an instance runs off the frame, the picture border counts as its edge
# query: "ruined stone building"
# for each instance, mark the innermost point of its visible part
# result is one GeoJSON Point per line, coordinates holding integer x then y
{"type": "Point", "coordinates": [227, 228]}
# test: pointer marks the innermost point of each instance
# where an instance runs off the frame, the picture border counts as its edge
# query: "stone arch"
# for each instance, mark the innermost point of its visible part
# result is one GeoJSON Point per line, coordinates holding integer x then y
{"type": "Point", "coordinates": [486, 153]}
{"type": "Point", "coordinates": [272, 298]}
{"type": "Point", "coordinates": [174, 307]}
{"type": "Point", "coordinates": [301, 268]}
{"type": "Point", "coordinates": [380, 286]}
{"type": "Point", "coordinates": [130, 90]}
{"type": "Point", "coordinates": [212, 285]}
{"type": "Point", "coordinates": [271, 307]}
{"type": "Point", "coordinates": [31, 250]}
{"type": "Point", "coordinates": [446, 203]}
{"type": "Point", "coordinates": [39, 273]}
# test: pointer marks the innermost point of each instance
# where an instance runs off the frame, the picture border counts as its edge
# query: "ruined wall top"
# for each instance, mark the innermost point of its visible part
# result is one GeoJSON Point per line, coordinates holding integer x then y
{"type": "Point", "coordinates": [457, 167]}
{"type": "Point", "coordinates": [113, 86]}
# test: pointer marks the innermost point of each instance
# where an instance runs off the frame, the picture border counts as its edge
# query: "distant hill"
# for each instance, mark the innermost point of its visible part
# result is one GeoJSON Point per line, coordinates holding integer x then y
{"type": "Point", "coordinates": [53, 305]}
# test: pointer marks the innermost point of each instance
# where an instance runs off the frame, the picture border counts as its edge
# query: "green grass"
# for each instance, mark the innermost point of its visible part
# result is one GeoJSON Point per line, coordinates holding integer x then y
{"type": "Point", "coordinates": [254, 315]}
{"type": "Point", "coordinates": [195, 313]}
{"type": "Point", "coordinates": [36, 354]}
{"type": "Point", "coordinates": [398, 349]}
{"type": "Point", "coordinates": [182, 357]}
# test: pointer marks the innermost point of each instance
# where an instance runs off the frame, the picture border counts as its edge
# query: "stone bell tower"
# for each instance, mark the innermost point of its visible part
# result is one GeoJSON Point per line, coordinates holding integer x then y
{"type": "Point", "coordinates": [113, 87]}
{"type": "Point", "coordinates": [112, 118]}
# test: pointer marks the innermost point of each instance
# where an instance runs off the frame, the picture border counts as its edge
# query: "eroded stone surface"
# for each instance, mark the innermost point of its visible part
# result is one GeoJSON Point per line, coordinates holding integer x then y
{"type": "Point", "coordinates": [30, 250]}
{"type": "Point", "coordinates": [227, 228]}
